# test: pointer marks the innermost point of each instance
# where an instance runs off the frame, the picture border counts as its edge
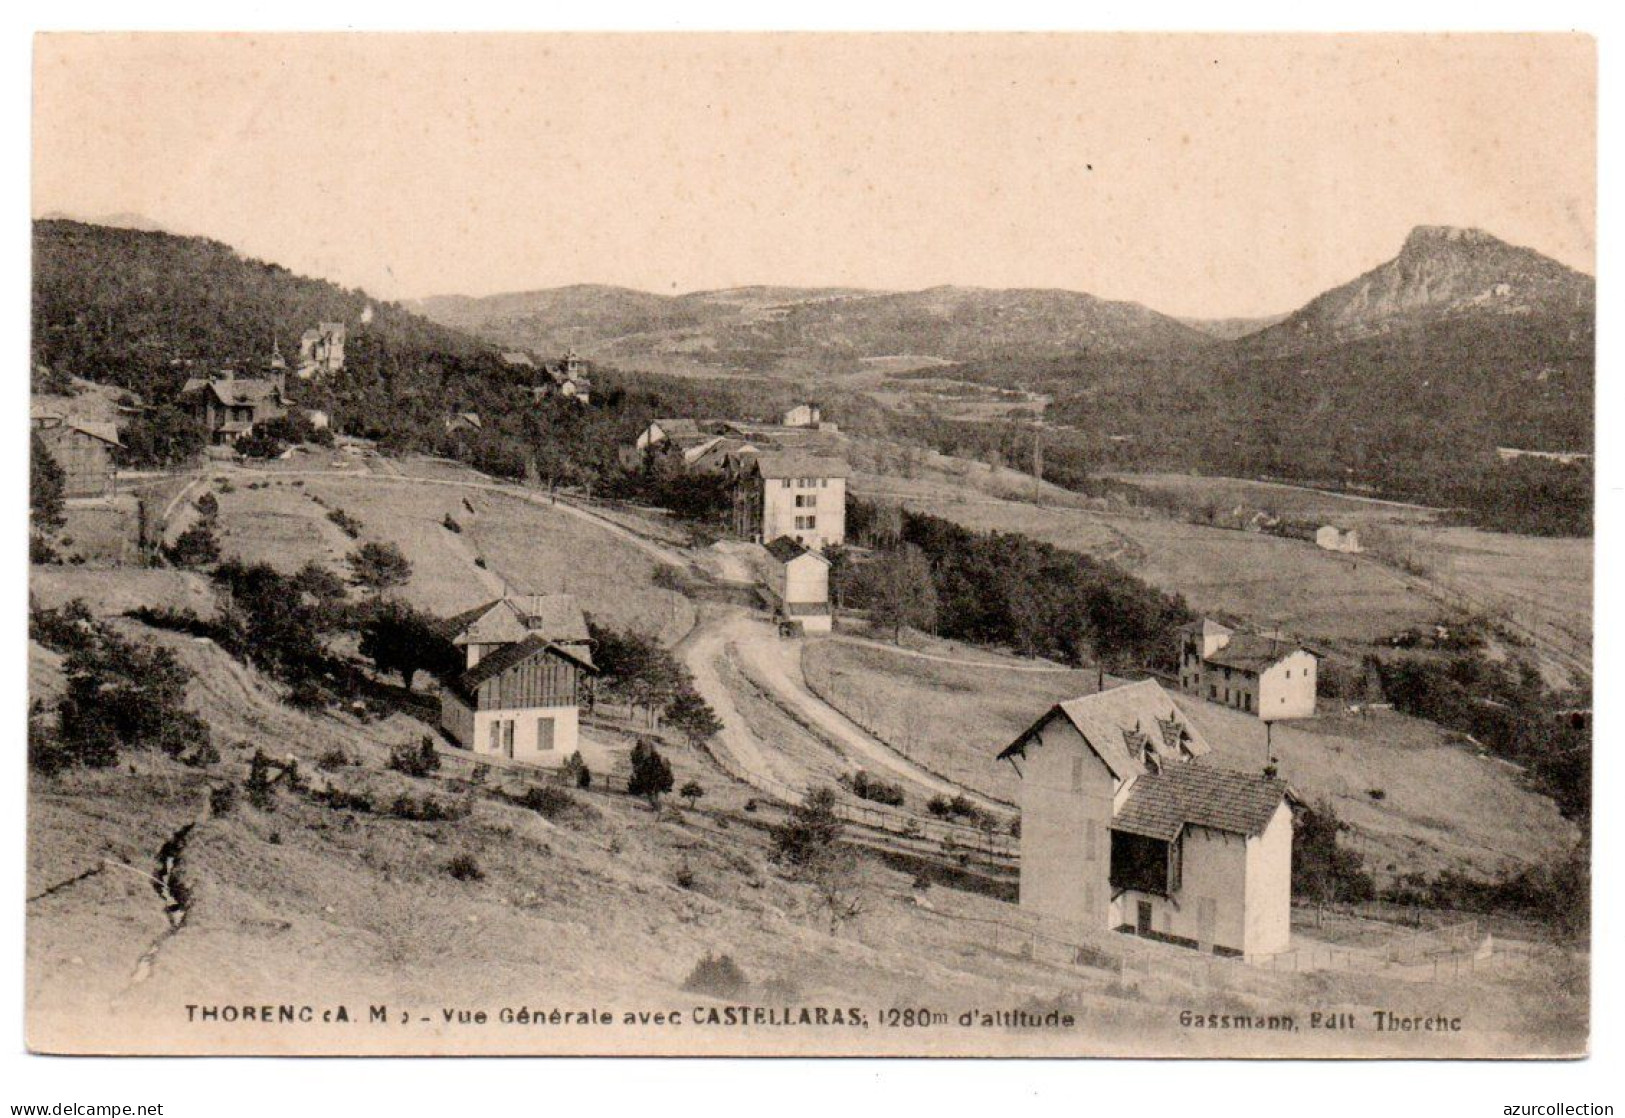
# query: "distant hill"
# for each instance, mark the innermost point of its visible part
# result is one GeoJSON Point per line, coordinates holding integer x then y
{"type": "Point", "coordinates": [1440, 272]}
{"type": "Point", "coordinates": [757, 328]}
{"type": "Point", "coordinates": [1404, 381]}
{"type": "Point", "coordinates": [123, 306]}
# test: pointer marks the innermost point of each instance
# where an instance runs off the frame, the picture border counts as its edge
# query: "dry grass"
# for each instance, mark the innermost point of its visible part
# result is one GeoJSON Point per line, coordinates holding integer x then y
{"type": "Point", "coordinates": [304, 904]}
{"type": "Point", "coordinates": [952, 719]}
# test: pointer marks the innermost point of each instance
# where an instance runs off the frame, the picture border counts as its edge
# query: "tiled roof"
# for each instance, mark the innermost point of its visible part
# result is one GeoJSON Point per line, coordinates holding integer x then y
{"type": "Point", "coordinates": [1251, 652]}
{"type": "Point", "coordinates": [792, 464]}
{"type": "Point", "coordinates": [1161, 804]}
{"type": "Point", "coordinates": [236, 390]}
{"type": "Point", "coordinates": [677, 426]}
{"type": "Point", "coordinates": [1120, 721]}
{"type": "Point", "coordinates": [554, 617]}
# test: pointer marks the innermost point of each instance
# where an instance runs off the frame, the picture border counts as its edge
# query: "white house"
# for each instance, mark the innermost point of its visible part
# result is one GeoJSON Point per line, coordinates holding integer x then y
{"type": "Point", "coordinates": [1126, 825]}
{"type": "Point", "coordinates": [802, 415]}
{"type": "Point", "coordinates": [666, 430]}
{"type": "Point", "coordinates": [1329, 537]}
{"type": "Point", "coordinates": [525, 659]}
{"type": "Point", "coordinates": [793, 494]}
{"type": "Point", "coordinates": [1269, 676]}
{"type": "Point", "coordinates": [798, 584]}
{"type": "Point", "coordinates": [520, 702]}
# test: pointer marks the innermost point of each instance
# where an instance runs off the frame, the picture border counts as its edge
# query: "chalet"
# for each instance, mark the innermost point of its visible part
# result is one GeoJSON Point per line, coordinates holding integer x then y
{"type": "Point", "coordinates": [321, 350]}
{"type": "Point", "coordinates": [1127, 825]}
{"type": "Point", "coordinates": [793, 494]}
{"type": "Point", "coordinates": [229, 406]}
{"type": "Point", "coordinates": [521, 702]}
{"type": "Point", "coordinates": [798, 585]}
{"type": "Point", "coordinates": [526, 660]}
{"type": "Point", "coordinates": [556, 618]}
{"type": "Point", "coordinates": [1269, 676]}
{"type": "Point", "coordinates": [82, 447]}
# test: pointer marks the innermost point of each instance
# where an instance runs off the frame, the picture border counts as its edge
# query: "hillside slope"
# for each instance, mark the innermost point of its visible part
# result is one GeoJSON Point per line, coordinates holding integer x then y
{"type": "Point", "coordinates": [123, 306]}
{"type": "Point", "coordinates": [755, 328]}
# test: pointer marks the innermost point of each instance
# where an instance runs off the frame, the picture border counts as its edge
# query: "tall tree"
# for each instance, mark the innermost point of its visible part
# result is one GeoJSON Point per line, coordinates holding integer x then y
{"type": "Point", "coordinates": [45, 484]}
{"type": "Point", "coordinates": [900, 591]}
{"type": "Point", "coordinates": [379, 567]}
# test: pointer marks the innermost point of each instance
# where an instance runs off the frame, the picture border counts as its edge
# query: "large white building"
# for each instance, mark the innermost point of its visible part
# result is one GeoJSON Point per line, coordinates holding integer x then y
{"type": "Point", "coordinates": [1126, 825]}
{"type": "Point", "coordinates": [794, 494]}
{"type": "Point", "coordinates": [1269, 676]}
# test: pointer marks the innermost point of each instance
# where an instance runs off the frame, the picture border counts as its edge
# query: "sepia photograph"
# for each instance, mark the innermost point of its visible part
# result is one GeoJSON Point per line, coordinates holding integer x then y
{"type": "Point", "coordinates": [791, 544]}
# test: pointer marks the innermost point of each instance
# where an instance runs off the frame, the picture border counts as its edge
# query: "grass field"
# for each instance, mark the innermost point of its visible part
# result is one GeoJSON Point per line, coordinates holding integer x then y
{"type": "Point", "coordinates": [1288, 501]}
{"type": "Point", "coordinates": [526, 547]}
{"type": "Point", "coordinates": [1441, 806]}
{"type": "Point", "coordinates": [607, 904]}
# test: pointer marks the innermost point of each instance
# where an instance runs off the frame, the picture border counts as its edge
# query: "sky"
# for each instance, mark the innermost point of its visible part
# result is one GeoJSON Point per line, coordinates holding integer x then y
{"type": "Point", "coordinates": [1199, 175]}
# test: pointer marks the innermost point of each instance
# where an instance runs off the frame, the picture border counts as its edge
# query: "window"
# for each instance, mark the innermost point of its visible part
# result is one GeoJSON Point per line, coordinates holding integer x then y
{"type": "Point", "coordinates": [1289, 673]}
{"type": "Point", "coordinates": [1077, 774]}
{"type": "Point", "coordinates": [785, 483]}
{"type": "Point", "coordinates": [1091, 842]}
{"type": "Point", "coordinates": [544, 735]}
{"type": "Point", "coordinates": [823, 483]}
{"type": "Point", "coordinates": [809, 501]}
{"type": "Point", "coordinates": [507, 737]}
{"type": "Point", "coordinates": [812, 522]}
{"type": "Point", "coordinates": [496, 735]}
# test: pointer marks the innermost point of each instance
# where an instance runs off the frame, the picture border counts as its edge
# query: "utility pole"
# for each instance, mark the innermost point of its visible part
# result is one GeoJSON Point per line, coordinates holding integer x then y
{"type": "Point", "coordinates": [1038, 462]}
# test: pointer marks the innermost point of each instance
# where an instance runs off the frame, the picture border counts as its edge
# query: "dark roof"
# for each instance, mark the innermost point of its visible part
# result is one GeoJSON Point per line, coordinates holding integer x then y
{"type": "Point", "coordinates": [1252, 652]}
{"type": "Point", "coordinates": [508, 656]}
{"type": "Point", "coordinates": [786, 548]}
{"type": "Point", "coordinates": [1117, 724]}
{"type": "Point", "coordinates": [237, 390]}
{"type": "Point", "coordinates": [1161, 804]}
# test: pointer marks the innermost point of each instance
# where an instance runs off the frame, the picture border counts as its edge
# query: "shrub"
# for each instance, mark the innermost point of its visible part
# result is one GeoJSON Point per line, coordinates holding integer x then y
{"type": "Point", "coordinates": [379, 567]}
{"type": "Point", "coordinates": [196, 547]}
{"type": "Point", "coordinates": [334, 759]}
{"type": "Point", "coordinates": [429, 809]}
{"type": "Point", "coordinates": [258, 786]}
{"type": "Point", "coordinates": [1377, 793]}
{"type": "Point", "coordinates": [866, 787]}
{"type": "Point", "coordinates": [222, 799]}
{"type": "Point", "coordinates": [451, 525]}
{"type": "Point", "coordinates": [685, 875]}
{"type": "Point", "coordinates": [465, 867]}
{"type": "Point", "coordinates": [575, 772]}
{"type": "Point", "coordinates": [347, 524]}
{"type": "Point", "coordinates": [811, 830]}
{"type": "Point", "coordinates": [65, 629]}
{"type": "Point", "coordinates": [202, 757]}
{"type": "Point", "coordinates": [339, 799]}
{"type": "Point", "coordinates": [548, 800]}
{"type": "Point", "coordinates": [691, 791]}
{"type": "Point", "coordinates": [208, 506]}
{"type": "Point", "coordinates": [415, 760]}
{"type": "Point", "coordinates": [718, 976]}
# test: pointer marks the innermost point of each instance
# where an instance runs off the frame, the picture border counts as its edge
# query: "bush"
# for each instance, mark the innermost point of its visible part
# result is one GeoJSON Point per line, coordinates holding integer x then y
{"type": "Point", "coordinates": [465, 867]}
{"type": "Point", "coordinates": [379, 567]}
{"type": "Point", "coordinates": [415, 760]}
{"type": "Point", "coordinates": [718, 976]}
{"type": "Point", "coordinates": [66, 629]}
{"type": "Point", "coordinates": [866, 787]}
{"type": "Point", "coordinates": [451, 525]}
{"type": "Point", "coordinates": [208, 506]}
{"type": "Point", "coordinates": [691, 791]}
{"type": "Point", "coordinates": [548, 801]}
{"type": "Point", "coordinates": [334, 759]}
{"type": "Point", "coordinates": [575, 772]}
{"type": "Point", "coordinates": [685, 875]}
{"type": "Point", "coordinates": [429, 809]}
{"type": "Point", "coordinates": [810, 832]}
{"type": "Point", "coordinates": [347, 524]}
{"type": "Point", "coordinates": [196, 547]}
{"type": "Point", "coordinates": [222, 799]}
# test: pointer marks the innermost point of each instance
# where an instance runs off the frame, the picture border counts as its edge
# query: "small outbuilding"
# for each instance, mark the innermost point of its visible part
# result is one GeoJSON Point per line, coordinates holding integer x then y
{"type": "Point", "coordinates": [798, 585]}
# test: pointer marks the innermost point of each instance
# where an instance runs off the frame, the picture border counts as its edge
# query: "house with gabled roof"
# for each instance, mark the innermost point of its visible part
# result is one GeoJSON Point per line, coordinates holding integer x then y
{"type": "Point", "coordinates": [1268, 675]}
{"type": "Point", "coordinates": [485, 628]}
{"type": "Point", "coordinates": [526, 662]}
{"type": "Point", "coordinates": [229, 406]}
{"type": "Point", "coordinates": [797, 585]}
{"type": "Point", "coordinates": [1127, 823]}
